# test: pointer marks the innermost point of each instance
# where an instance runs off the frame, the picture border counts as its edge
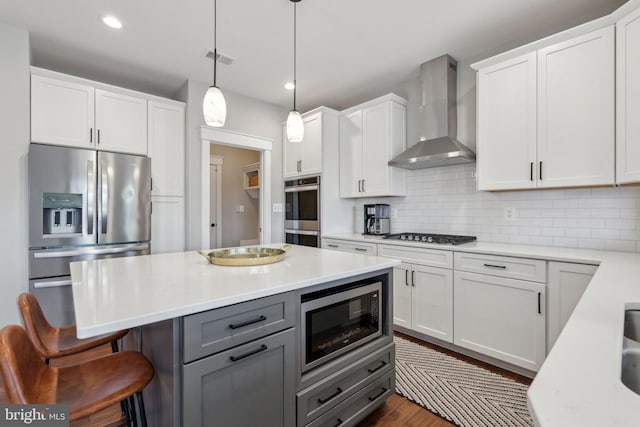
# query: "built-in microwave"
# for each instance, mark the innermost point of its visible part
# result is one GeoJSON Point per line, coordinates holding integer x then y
{"type": "Point", "coordinates": [302, 211]}
{"type": "Point", "coordinates": [336, 321]}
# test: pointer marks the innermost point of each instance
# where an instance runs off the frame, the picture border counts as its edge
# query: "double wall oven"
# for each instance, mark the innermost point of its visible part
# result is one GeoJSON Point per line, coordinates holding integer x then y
{"type": "Point", "coordinates": [302, 211]}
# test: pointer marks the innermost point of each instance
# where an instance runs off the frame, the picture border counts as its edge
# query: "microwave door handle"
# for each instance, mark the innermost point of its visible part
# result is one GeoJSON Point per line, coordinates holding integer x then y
{"type": "Point", "coordinates": [91, 196]}
{"type": "Point", "coordinates": [104, 198]}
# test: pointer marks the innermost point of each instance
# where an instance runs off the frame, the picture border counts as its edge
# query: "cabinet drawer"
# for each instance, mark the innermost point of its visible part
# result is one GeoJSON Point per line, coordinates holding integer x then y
{"type": "Point", "coordinates": [212, 331]}
{"type": "Point", "coordinates": [346, 246]}
{"type": "Point", "coordinates": [534, 270]}
{"type": "Point", "coordinates": [358, 406]}
{"type": "Point", "coordinates": [422, 256]}
{"type": "Point", "coordinates": [322, 396]}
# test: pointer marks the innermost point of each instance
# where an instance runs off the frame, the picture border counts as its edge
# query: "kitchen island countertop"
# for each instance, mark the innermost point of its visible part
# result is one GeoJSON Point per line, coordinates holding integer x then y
{"type": "Point", "coordinates": [120, 293]}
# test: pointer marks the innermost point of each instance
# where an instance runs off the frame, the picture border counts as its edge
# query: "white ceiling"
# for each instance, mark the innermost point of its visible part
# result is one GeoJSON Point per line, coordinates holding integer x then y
{"type": "Point", "coordinates": [349, 50]}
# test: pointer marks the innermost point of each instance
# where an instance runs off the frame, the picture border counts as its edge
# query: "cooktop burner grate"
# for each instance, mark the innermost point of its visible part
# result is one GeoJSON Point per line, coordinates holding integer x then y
{"type": "Point", "coordinates": [445, 239]}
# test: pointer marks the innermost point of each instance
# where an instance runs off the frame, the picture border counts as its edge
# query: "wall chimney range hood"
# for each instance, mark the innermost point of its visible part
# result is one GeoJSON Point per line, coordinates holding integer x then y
{"type": "Point", "coordinates": [437, 122]}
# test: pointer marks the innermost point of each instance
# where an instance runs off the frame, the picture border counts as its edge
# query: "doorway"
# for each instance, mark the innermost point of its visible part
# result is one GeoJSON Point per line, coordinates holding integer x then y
{"type": "Point", "coordinates": [210, 135]}
{"type": "Point", "coordinates": [235, 203]}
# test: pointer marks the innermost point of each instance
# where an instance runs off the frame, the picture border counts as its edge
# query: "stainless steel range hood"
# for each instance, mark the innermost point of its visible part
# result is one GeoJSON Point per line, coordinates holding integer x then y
{"type": "Point", "coordinates": [437, 122]}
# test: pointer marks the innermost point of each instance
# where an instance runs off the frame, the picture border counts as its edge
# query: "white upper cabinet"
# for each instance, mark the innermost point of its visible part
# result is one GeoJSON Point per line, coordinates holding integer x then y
{"type": "Point", "coordinates": [166, 147]}
{"type": "Point", "coordinates": [350, 154]}
{"type": "Point", "coordinates": [62, 113]}
{"type": "Point", "coordinates": [546, 118]}
{"type": "Point", "coordinates": [628, 98]}
{"type": "Point", "coordinates": [507, 124]}
{"type": "Point", "coordinates": [70, 111]}
{"type": "Point", "coordinates": [576, 111]}
{"type": "Point", "coordinates": [371, 134]}
{"type": "Point", "coordinates": [121, 122]}
{"type": "Point", "coordinates": [305, 158]}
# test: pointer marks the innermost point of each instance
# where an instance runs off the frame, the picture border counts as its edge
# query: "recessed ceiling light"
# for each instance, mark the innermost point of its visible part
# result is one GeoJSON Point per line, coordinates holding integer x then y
{"type": "Point", "coordinates": [289, 86]}
{"type": "Point", "coordinates": [112, 22]}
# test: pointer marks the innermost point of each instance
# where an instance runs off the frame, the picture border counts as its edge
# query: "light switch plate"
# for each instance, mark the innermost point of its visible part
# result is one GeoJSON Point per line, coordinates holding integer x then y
{"type": "Point", "coordinates": [278, 208]}
{"type": "Point", "coordinates": [240, 209]}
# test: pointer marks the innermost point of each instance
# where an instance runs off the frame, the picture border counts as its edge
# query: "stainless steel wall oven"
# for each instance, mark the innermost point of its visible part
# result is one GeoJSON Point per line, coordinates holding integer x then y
{"type": "Point", "coordinates": [302, 211]}
{"type": "Point", "coordinates": [338, 320]}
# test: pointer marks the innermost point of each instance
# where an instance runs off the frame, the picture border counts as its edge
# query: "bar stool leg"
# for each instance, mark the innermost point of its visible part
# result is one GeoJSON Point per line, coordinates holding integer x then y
{"type": "Point", "coordinates": [143, 416]}
{"type": "Point", "coordinates": [132, 406]}
{"type": "Point", "coordinates": [114, 346]}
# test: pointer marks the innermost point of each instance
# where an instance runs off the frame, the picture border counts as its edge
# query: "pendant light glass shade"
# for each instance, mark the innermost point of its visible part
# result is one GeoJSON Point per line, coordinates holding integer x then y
{"type": "Point", "coordinates": [214, 107]}
{"type": "Point", "coordinates": [295, 127]}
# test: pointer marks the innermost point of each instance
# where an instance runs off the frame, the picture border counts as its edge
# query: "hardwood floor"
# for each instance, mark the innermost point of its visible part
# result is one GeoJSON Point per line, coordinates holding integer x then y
{"type": "Point", "coordinates": [400, 412]}
{"type": "Point", "coordinates": [396, 411]}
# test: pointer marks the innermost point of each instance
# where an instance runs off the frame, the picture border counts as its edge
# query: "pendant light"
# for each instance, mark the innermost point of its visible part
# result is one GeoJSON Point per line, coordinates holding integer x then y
{"type": "Point", "coordinates": [214, 106]}
{"type": "Point", "coordinates": [295, 125]}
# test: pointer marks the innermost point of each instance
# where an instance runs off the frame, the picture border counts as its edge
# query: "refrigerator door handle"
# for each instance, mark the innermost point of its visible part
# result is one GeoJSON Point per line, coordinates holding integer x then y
{"type": "Point", "coordinates": [104, 198]}
{"type": "Point", "coordinates": [93, 251]}
{"type": "Point", "coordinates": [91, 196]}
{"type": "Point", "coordinates": [51, 283]}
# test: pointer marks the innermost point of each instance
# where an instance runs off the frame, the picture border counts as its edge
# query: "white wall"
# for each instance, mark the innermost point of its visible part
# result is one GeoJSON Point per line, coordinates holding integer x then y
{"type": "Point", "coordinates": [14, 146]}
{"type": "Point", "coordinates": [237, 226]}
{"type": "Point", "coordinates": [246, 115]}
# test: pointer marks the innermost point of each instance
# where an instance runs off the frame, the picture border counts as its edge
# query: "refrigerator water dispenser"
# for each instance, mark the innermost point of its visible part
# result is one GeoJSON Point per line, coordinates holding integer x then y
{"type": "Point", "coordinates": [61, 213]}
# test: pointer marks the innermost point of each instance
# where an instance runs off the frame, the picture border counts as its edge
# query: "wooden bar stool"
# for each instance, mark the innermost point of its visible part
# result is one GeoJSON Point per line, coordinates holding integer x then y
{"type": "Point", "coordinates": [87, 388]}
{"type": "Point", "coordinates": [51, 342]}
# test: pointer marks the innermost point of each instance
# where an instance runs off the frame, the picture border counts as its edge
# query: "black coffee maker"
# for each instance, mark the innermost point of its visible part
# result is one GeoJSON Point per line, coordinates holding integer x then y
{"type": "Point", "coordinates": [376, 219]}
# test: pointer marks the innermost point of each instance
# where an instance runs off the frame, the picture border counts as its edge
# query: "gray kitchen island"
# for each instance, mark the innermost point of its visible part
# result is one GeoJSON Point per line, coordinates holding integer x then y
{"type": "Point", "coordinates": [306, 341]}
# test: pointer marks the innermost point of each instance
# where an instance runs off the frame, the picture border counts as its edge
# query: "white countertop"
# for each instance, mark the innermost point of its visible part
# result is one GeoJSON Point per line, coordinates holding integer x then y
{"type": "Point", "coordinates": [579, 382]}
{"type": "Point", "coordinates": [120, 293]}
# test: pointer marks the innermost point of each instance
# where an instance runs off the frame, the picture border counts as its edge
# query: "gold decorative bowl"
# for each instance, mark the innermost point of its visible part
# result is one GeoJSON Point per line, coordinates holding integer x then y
{"type": "Point", "coordinates": [251, 255]}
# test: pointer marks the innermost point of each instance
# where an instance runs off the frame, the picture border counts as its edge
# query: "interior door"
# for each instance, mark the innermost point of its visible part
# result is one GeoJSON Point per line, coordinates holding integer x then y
{"type": "Point", "coordinates": [213, 206]}
{"type": "Point", "coordinates": [124, 198]}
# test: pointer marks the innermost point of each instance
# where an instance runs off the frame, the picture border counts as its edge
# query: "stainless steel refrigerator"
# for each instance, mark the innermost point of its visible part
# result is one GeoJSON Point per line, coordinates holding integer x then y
{"type": "Point", "coordinates": [83, 204]}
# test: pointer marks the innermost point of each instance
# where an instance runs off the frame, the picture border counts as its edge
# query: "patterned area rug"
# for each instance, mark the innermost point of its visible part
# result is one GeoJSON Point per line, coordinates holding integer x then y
{"type": "Point", "coordinates": [460, 392]}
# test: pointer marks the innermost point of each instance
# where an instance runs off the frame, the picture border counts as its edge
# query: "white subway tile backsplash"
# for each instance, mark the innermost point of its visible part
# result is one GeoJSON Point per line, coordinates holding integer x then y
{"type": "Point", "coordinates": [445, 200]}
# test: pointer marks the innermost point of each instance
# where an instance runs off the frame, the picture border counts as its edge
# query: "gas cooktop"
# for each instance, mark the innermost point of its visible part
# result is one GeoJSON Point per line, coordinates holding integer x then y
{"type": "Point", "coordinates": [445, 239]}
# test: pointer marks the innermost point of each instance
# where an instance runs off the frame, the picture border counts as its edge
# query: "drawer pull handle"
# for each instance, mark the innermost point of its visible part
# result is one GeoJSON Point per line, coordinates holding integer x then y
{"type": "Point", "coordinates": [249, 353]}
{"type": "Point", "coordinates": [504, 267]}
{"type": "Point", "coordinates": [384, 390]}
{"type": "Point", "coordinates": [328, 398]}
{"type": "Point", "coordinates": [361, 250]}
{"type": "Point", "coordinates": [376, 369]}
{"type": "Point", "coordinates": [333, 246]}
{"type": "Point", "coordinates": [247, 322]}
{"type": "Point", "coordinates": [339, 422]}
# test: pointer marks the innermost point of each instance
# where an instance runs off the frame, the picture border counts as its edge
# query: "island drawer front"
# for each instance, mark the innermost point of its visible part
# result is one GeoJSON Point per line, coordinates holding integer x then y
{"type": "Point", "coordinates": [422, 256]}
{"type": "Point", "coordinates": [322, 396]}
{"type": "Point", "coordinates": [346, 246]}
{"type": "Point", "coordinates": [358, 406]}
{"type": "Point", "coordinates": [216, 330]}
{"type": "Point", "coordinates": [534, 270]}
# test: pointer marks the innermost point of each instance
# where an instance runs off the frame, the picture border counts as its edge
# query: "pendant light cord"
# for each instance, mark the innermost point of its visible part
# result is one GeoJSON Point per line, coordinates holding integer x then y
{"type": "Point", "coordinates": [295, 83]}
{"type": "Point", "coordinates": [215, 40]}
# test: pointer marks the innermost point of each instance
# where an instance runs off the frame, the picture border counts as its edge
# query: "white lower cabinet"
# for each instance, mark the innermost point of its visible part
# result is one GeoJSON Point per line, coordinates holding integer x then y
{"type": "Point", "coordinates": [500, 317]}
{"type": "Point", "coordinates": [567, 283]}
{"type": "Point", "coordinates": [422, 294]}
{"type": "Point", "coordinates": [167, 224]}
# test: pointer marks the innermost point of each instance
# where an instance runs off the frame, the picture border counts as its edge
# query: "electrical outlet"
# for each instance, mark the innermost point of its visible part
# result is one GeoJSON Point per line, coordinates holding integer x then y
{"type": "Point", "coordinates": [240, 209]}
{"type": "Point", "coordinates": [278, 208]}
{"type": "Point", "coordinates": [510, 213]}
{"type": "Point", "coordinates": [394, 212]}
